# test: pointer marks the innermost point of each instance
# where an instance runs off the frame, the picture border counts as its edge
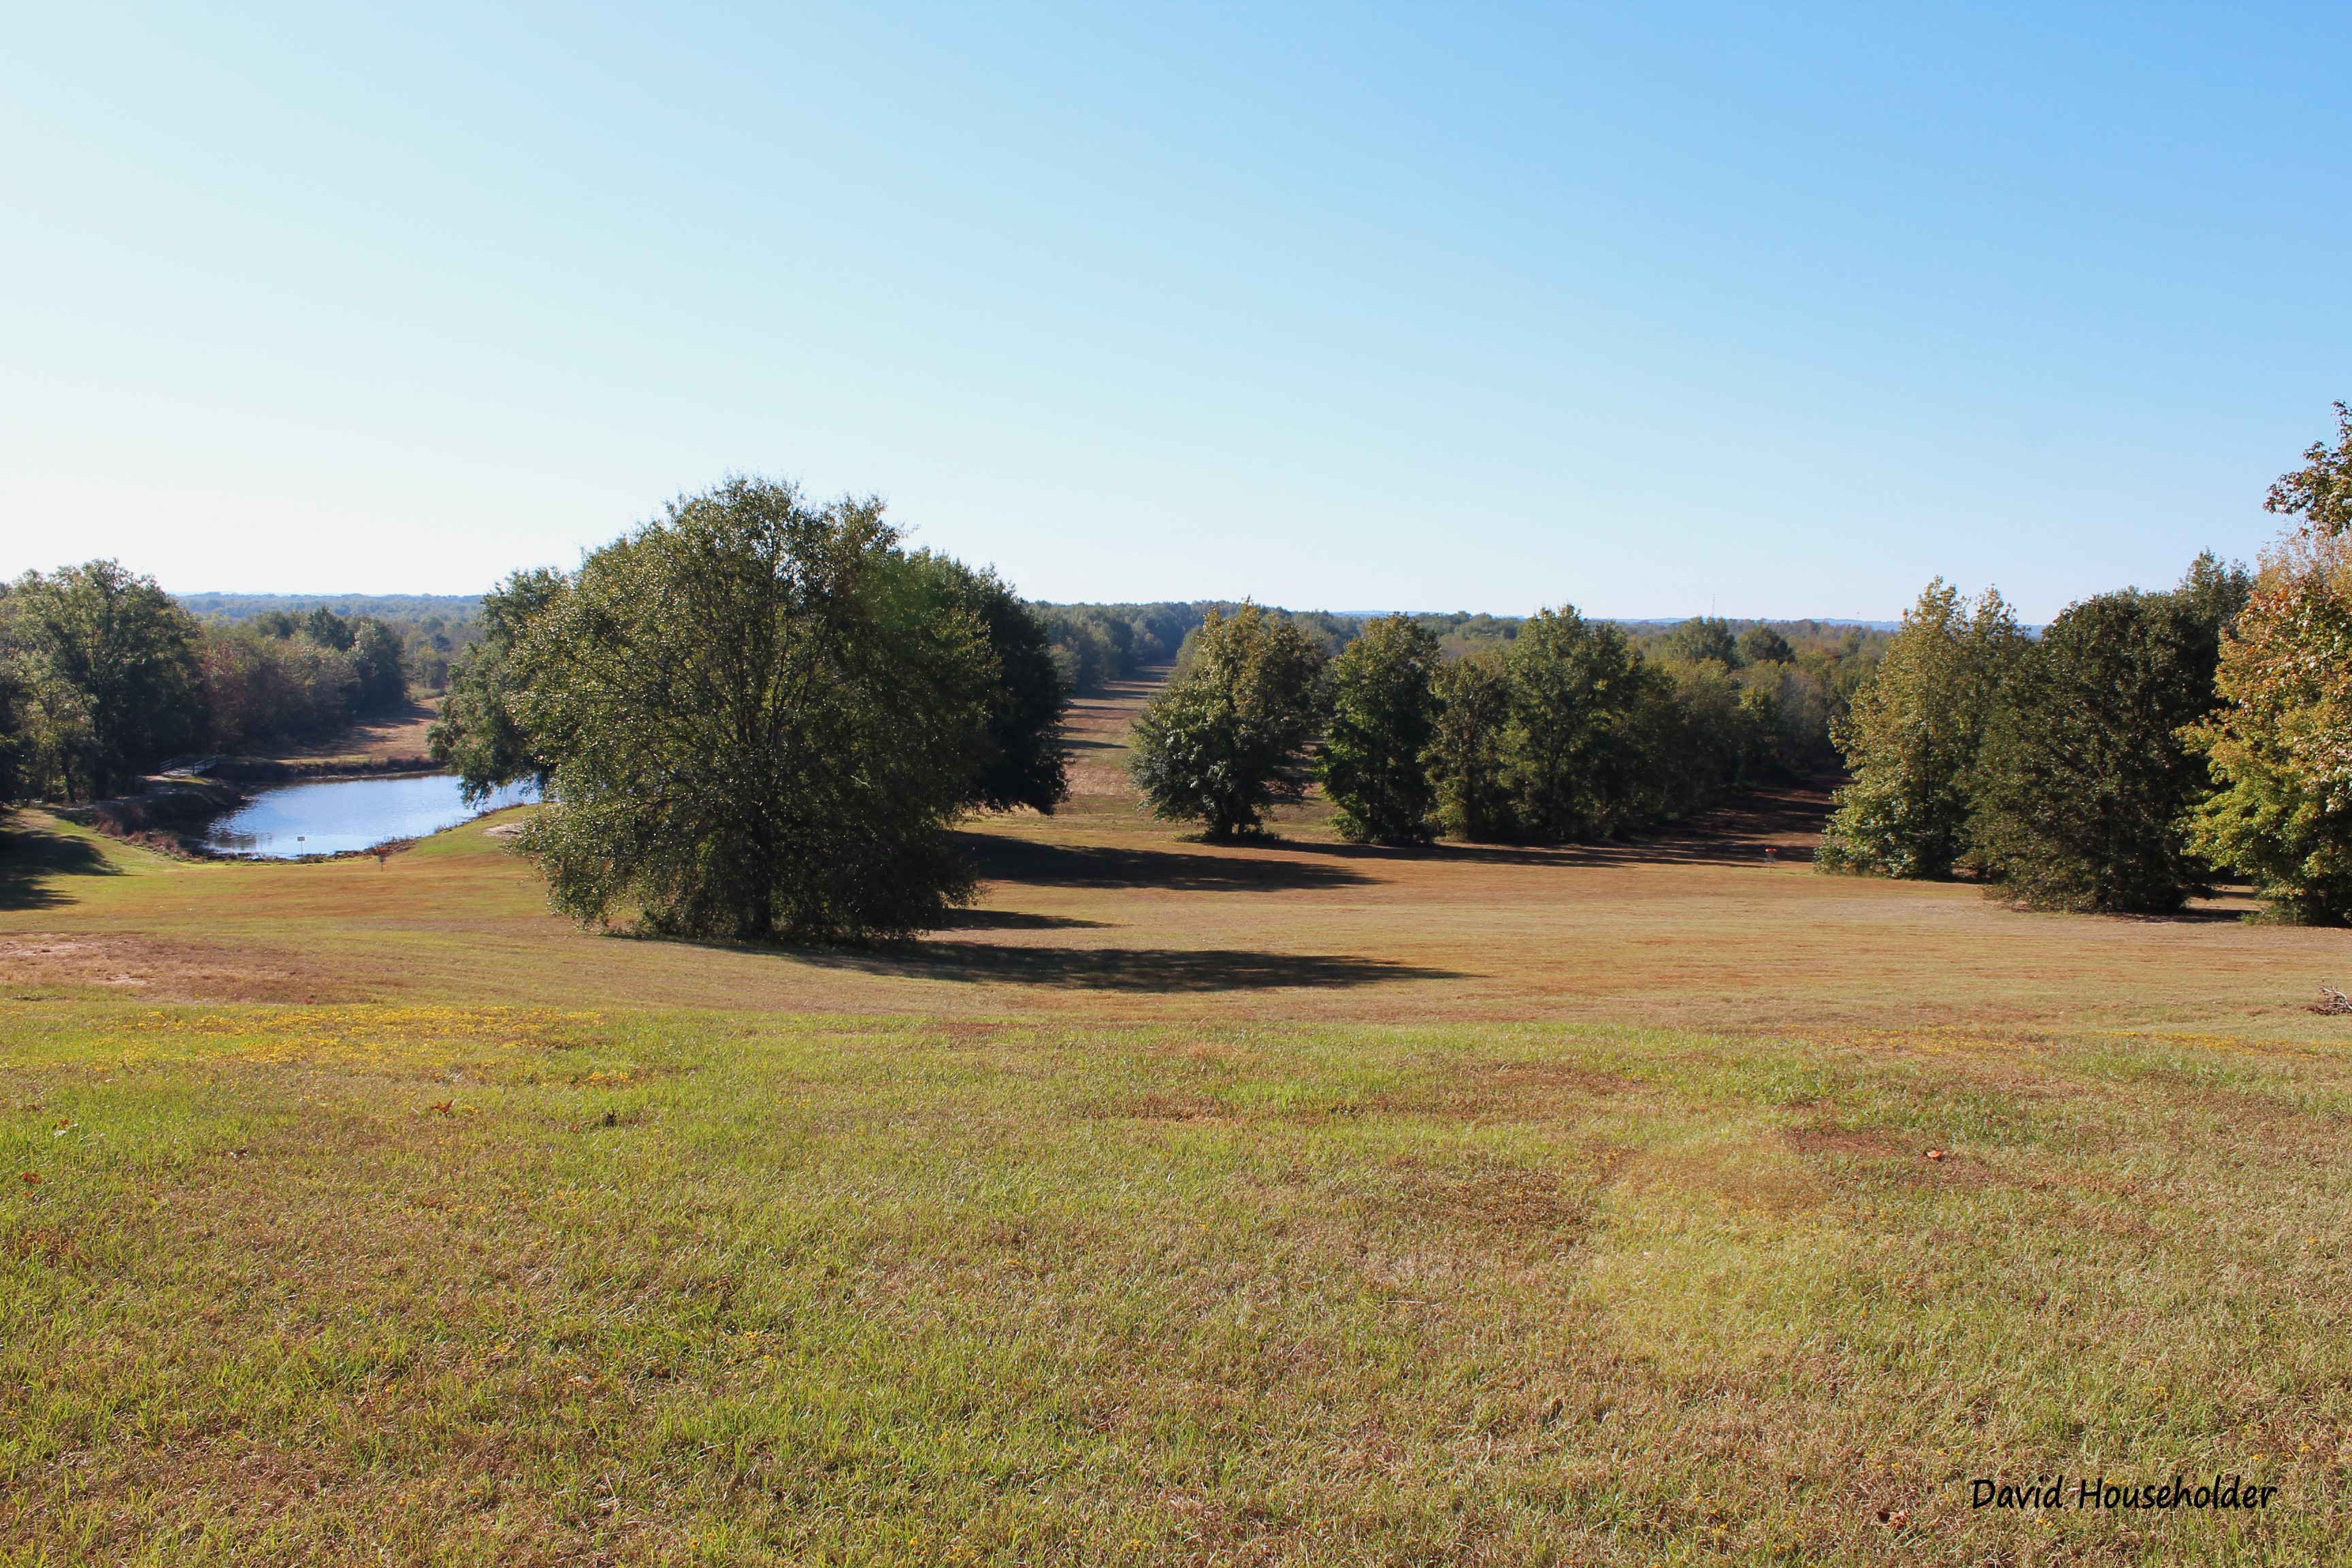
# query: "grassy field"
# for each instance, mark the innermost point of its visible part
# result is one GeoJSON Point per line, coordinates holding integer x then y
{"type": "Point", "coordinates": [1291, 1204]}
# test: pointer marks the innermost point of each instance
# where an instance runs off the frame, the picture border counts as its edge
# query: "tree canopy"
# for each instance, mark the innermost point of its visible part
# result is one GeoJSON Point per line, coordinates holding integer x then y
{"type": "Point", "coordinates": [1383, 720]}
{"type": "Point", "coordinates": [1912, 735]}
{"type": "Point", "coordinates": [2086, 773]}
{"type": "Point", "coordinates": [108, 668]}
{"type": "Point", "coordinates": [757, 716]}
{"type": "Point", "coordinates": [1229, 739]}
{"type": "Point", "coordinates": [2278, 749]}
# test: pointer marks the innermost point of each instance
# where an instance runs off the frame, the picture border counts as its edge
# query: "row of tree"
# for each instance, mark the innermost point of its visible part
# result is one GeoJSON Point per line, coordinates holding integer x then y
{"type": "Point", "coordinates": [1565, 731]}
{"type": "Point", "coordinates": [2143, 744]}
{"type": "Point", "coordinates": [1094, 644]}
{"type": "Point", "coordinates": [103, 677]}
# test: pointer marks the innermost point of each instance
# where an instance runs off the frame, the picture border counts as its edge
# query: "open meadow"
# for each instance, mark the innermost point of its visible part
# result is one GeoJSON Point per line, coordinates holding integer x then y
{"type": "Point", "coordinates": [1285, 1202]}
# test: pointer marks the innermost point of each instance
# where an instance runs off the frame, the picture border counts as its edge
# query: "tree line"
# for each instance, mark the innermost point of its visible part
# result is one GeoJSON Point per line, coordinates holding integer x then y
{"type": "Point", "coordinates": [1565, 729]}
{"type": "Point", "coordinates": [434, 629]}
{"type": "Point", "coordinates": [104, 677]}
{"type": "Point", "coordinates": [2141, 746]}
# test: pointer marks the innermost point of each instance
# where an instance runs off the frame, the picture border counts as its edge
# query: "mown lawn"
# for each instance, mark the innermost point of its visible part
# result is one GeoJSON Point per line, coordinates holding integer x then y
{"type": "Point", "coordinates": [450, 1284]}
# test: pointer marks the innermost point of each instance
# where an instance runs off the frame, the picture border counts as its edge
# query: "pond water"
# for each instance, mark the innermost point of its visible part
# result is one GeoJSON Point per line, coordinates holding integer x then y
{"type": "Point", "coordinates": [291, 820]}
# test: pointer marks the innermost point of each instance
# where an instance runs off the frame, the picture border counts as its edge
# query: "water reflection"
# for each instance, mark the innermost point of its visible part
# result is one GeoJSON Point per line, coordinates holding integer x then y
{"type": "Point", "coordinates": [293, 820]}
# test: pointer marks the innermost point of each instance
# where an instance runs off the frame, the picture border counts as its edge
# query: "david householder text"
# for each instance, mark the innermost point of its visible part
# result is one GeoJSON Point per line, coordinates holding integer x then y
{"type": "Point", "coordinates": [2049, 1491]}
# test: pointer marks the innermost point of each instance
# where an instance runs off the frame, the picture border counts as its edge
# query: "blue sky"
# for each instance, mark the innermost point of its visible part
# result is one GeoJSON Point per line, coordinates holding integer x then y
{"type": "Point", "coordinates": [1772, 311]}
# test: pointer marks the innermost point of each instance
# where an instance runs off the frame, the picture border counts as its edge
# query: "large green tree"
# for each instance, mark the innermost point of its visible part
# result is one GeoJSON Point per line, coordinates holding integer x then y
{"type": "Point", "coordinates": [1229, 739]}
{"type": "Point", "coordinates": [1383, 722]}
{"type": "Point", "coordinates": [1912, 738]}
{"type": "Point", "coordinates": [107, 663]}
{"type": "Point", "coordinates": [2085, 774]}
{"type": "Point", "coordinates": [1576, 751]}
{"type": "Point", "coordinates": [761, 718]}
{"type": "Point", "coordinates": [1466, 754]}
{"type": "Point", "coordinates": [1021, 761]}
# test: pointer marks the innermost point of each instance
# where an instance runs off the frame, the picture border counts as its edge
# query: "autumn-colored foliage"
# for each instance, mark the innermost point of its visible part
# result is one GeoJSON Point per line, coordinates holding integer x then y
{"type": "Point", "coordinates": [2282, 749]}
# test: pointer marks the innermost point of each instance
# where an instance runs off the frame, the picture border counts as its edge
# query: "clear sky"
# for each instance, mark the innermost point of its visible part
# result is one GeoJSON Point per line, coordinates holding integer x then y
{"type": "Point", "coordinates": [1776, 311]}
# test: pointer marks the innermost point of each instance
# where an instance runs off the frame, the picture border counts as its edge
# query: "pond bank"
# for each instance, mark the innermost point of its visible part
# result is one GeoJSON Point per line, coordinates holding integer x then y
{"type": "Point", "coordinates": [280, 811]}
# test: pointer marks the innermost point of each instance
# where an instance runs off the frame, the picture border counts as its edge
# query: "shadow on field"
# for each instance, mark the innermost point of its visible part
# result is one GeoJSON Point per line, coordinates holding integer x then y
{"type": "Point", "coordinates": [1013, 920]}
{"type": "Point", "coordinates": [30, 859]}
{"type": "Point", "coordinates": [1072, 866]}
{"type": "Point", "coordinates": [1787, 821]}
{"type": "Point", "coordinates": [1128, 968]}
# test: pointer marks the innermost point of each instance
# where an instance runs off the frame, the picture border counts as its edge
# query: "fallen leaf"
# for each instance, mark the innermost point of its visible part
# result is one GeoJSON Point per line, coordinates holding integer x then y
{"type": "Point", "coordinates": [32, 1178]}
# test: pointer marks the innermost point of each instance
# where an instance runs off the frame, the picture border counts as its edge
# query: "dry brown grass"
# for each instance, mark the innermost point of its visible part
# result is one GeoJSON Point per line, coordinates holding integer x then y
{"type": "Point", "coordinates": [1098, 913]}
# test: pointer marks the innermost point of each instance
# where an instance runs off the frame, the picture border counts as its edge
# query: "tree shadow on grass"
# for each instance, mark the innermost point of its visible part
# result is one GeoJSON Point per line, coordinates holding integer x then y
{"type": "Point", "coordinates": [1125, 968]}
{"type": "Point", "coordinates": [30, 860]}
{"type": "Point", "coordinates": [1089, 865]}
{"type": "Point", "coordinates": [1785, 819]}
{"type": "Point", "coordinates": [1014, 919]}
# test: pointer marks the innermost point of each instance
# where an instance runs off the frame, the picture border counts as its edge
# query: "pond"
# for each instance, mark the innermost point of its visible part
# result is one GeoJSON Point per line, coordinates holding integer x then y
{"type": "Point", "coordinates": [291, 820]}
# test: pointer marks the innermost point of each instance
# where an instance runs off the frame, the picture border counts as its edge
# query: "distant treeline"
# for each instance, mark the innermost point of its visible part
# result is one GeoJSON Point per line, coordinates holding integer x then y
{"type": "Point", "coordinates": [104, 677]}
{"type": "Point", "coordinates": [433, 628]}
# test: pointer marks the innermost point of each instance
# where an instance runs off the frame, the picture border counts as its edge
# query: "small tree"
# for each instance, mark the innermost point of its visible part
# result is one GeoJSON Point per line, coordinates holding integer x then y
{"type": "Point", "coordinates": [1228, 739]}
{"type": "Point", "coordinates": [109, 664]}
{"type": "Point", "coordinates": [2086, 775]}
{"type": "Point", "coordinates": [761, 719]}
{"type": "Point", "coordinates": [478, 735]}
{"type": "Point", "coordinates": [1912, 738]}
{"type": "Point", "coordinates": [1465, 757]}
{"type": "Point", "coordinates": [1384, 720]}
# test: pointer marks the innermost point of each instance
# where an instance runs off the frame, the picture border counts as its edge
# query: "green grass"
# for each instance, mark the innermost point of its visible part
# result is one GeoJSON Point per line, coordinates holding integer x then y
{"type": "Point", "coordinates": [456, 1284]}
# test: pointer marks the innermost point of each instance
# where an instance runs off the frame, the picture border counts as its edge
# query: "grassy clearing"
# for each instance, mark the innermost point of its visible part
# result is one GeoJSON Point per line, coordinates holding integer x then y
{"type": "Point", "coordinates": [509, 1285]}
{"type": "Point", "coordinates": [1290, 1203]}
